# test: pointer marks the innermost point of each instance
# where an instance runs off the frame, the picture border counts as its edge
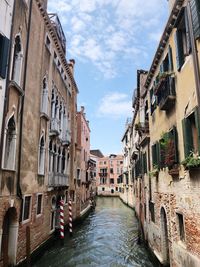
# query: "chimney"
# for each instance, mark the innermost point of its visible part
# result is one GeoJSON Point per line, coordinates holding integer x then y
{"type": "Point", "coordinates": [71, 65]}
{"type": "Point", "coordinates": [82, 109]}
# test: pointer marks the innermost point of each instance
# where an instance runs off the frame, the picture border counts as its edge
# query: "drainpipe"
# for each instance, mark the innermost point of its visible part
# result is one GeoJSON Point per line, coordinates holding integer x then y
{"type": "Point", "coordinates": [6, 88]}
{"type": "Point", "coordinates": [194, 54]}
{"type": "Point", "coordinates": [19, 192]}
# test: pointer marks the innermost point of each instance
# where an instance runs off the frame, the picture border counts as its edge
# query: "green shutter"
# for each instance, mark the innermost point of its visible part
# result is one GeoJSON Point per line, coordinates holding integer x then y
{"type": "Point", "coordinates": [158, 154]}
{"type": "Point", "coordinates": [174, 136]}
{"type": "Point", "coordinates": [187, 136]}
{"type": "Point", "coordinates": [188, 40]}
{"type": "Point", "coordinates": [162, 67]}
{"type": "Point", "coordinates": [171, 67]}
{"type": "Point", "coordinates": [197, 123]}
{"type": "Point", "coordinates": [161, 155]}
{"type": "Point", "coordinates": [195, 10]}
{"type": "Point", "coordinates": [4, 49]}
{"type": "Point", "coordinates": [179, 49]}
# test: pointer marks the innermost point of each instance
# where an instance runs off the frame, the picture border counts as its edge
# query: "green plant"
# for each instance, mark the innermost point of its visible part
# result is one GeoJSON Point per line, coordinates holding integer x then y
{"type": "Point", "coordinates": [155, 171]}
{"type": "Point", "coordinates": [191, 161]}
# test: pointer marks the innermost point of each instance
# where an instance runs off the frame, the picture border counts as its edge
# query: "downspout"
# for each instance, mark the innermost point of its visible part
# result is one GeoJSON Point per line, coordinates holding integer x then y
{"type": "Point", "coordinates": [19, 192]}
{"type": "Point", "coordinates": [6, 88]}
{"type": "Point", "coordinates": [194, 54]}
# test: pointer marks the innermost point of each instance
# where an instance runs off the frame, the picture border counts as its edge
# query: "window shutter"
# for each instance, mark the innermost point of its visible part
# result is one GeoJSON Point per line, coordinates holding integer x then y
{"type": "Point", "coordinates": [179, 49]}
{"type": "Point", "coordinates": [4, 49]}
{"type": "Point", "coordinates": [171, 67]}
{"type": "Point", "coordinates": [187, 136]}
{"type": "Point", "coordinates": [188, 41]}
{"type": "Point", "coordinates": [197, 123]}
{"type": "Point", "coordinates": [195, 10]}
{"type": "Point", "coordinates": [175, 139]}
{"type": "Point", "coordinates": [158, 154]}
{"type": "Point", "coordinates": [162, 67]}
{"type": "Point", "coordinates": [161, 155]}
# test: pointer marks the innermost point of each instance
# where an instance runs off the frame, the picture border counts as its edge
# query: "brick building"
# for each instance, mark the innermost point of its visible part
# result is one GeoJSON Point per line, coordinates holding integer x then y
{"type": "Point", "coordinates": [166, 118]}
{"type": "Point", "coordinates": [38, 137]}
{"type": "Point", "coordinates": [108, 171]}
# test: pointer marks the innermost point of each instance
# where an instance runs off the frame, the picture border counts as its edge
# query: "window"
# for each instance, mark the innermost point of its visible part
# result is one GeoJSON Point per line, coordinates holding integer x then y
{"type": "Point", "coordinates": [155, 154]}
{"type": "Point", "coordinates": [195, 10]}
{"type": "Point", "coordinates": [39, 204]}
{"type": "Point", "coordinates": [181, 226]}
{"type": "Point", "coordinates": [63, 162]}
{"type": "Point", "coordinates": [153, 101]}
{"type": "Point", "coordinates": [111, 170]}
{"type": "Point", "coordinates": [4, 50]}
{"type": "Point", "coordinates": [26, 203]}
{"type": "Point", "coordinates": [44, 98]}
{"type": "Point", "coordinates": [17, 61]}
{"type": "Point", "coordinates": [66, 197]}
{"type": "Point", "coordinates": [116, 188]}
{"type": "Point", "coordinates": [72, 195]}
{"type": "Point", "coordinates": [121, 162]}
{"type": "Point", "coordinates": [59, 161]}
{"type": "Point", "coordinates": [104, 163]}
{"type": "Point", "coordinates": [55, 57]}
{"type": "Point", "coordinates": [182, 40]}
{"type": "Point", "coordinates": [41, 156]}
{"type": "Point", "coordinates": [191, 133]}
{"type": "Point", "coordinates": [103, 188]}
{"type": "Point", "coordinates": [48, 43]}
{"type": "Point", "coordinates": [152, 211]}
{"type": "Point", "coordinates": [111, 181]}
{"type": "Point", "coordinates": [52, 225]}
{"type": "Point", "coordinates": [78, 174]}
{"type": "Point", "coordinates": [10, 145]}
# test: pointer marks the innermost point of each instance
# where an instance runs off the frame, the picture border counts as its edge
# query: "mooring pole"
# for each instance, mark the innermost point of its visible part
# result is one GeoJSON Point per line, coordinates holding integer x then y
{"type": "Point", "coordinates": [62, 235]}
{"type": "Point", "coordinates": [70, 217]}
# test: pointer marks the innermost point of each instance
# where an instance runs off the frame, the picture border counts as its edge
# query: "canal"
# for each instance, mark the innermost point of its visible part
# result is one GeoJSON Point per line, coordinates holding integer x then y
{"type": "Point", "coordinates": [107, 237]}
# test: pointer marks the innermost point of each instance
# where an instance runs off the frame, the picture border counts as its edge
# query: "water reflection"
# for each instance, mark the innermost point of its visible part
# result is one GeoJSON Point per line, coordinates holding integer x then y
{"type": "Point", "coordinates": [108, 237]}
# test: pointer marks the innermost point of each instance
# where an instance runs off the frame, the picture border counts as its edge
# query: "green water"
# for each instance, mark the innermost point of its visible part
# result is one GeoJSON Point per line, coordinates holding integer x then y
{"type": "Point", "coordinates": [107, 238]}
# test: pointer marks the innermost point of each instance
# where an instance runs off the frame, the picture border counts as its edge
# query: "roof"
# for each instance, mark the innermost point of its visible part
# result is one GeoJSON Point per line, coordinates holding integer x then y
{"type": "Point", "coordinates": [97, 152]}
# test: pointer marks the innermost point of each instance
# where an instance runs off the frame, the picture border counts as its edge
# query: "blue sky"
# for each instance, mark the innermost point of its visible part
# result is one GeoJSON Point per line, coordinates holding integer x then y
{"type": "Point", "coordinates": [109, 40]}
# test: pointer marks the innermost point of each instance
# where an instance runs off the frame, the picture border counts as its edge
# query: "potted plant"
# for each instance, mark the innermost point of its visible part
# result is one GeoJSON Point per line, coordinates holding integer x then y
{"type": "Point", "coordinates": [192, 161]}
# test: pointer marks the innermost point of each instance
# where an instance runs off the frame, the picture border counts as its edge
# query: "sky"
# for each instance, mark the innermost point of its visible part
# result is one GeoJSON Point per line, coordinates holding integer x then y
{"type": "Point", "coordinates": [109, 40]}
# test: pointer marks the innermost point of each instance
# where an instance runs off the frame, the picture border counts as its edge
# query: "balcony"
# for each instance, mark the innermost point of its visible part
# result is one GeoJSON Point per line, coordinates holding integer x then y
{"type": "Point", "coordinates": [66, 138]}
{"type": "Point", "coordinates": [103, 174]}
{"type": "Point", "coordinates": [167, 93]}
{"type": "Point", "coordinates": [58, 179]}
{"type": "Point", "coordinates": [54, 127]}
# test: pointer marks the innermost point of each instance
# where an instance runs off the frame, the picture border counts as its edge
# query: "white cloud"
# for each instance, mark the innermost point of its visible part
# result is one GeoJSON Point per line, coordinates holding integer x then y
{"type": "Point", "coordinates": [104, 31]}
{"type": "Point", "coordinates": [115, 105]}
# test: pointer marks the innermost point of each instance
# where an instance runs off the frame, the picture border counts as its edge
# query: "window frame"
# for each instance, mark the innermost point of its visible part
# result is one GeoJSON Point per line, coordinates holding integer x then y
{"type": "Point", "coordinates": [23, 209]}
{"type": "Point", "coordinates": [41, 211]}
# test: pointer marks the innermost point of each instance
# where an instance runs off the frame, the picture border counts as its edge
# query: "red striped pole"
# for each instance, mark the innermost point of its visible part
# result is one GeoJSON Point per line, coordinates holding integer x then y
{"type": "Point", "coordinates": [70, 217]}
{"type": "Point", "coordinates": [61, 219]}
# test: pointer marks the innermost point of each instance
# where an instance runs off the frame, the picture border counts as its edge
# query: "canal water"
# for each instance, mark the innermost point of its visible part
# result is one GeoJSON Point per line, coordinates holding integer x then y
{"type": "Point", "coordinates": [106, 238]}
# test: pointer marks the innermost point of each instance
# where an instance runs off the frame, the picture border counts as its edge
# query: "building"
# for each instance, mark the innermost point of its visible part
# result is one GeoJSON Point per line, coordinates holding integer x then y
{"type": "Point", "coordinates": [6, 8]}
{"type": "Point", "coordinates": [108, 171]}
{"type": "Point", "coordinates": [38, 140]}
{"type": "Point", "coordinates": [166, 177]}
{"type": "Point", "coordinates": [83, 152]}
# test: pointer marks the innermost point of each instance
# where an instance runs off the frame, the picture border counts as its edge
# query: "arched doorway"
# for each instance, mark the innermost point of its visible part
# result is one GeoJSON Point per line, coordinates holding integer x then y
{"type": "Point", "coordinates": [164, 238]}
{"type": "Point", "coordinates": [9, 238]}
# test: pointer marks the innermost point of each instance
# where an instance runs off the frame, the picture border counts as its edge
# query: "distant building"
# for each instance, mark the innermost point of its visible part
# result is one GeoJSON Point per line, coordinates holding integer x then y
{"type": "Point", "coordinates": [109, 170]}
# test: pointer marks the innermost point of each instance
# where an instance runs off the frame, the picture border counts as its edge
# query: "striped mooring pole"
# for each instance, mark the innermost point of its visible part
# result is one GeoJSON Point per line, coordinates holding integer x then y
{"type": "Point", "coordinates": [61, 219]}
{"type": "Point", "coordinates": [70, 217]}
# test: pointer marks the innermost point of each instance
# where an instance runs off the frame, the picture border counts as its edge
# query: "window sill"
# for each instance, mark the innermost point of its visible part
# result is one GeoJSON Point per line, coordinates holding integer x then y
{"type": "Point", "coordinates": [38, 215]}
{"type": "Point", "coordinates": [8, 170]}
{"type": "Point", "coordinates": [25, 221]}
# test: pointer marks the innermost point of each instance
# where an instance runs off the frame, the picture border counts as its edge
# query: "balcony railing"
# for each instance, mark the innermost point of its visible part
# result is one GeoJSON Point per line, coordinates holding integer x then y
{"type": "Point", "coordinates": [167, 94]}
{"type": "Point", "coordinates": [58, 179]}
{"type": "Point", "coordinates": [66, 137]}
{"type": "Point", "coordinates": [55, 126]}
{"type": "Point", "coordinates": [103, 174]}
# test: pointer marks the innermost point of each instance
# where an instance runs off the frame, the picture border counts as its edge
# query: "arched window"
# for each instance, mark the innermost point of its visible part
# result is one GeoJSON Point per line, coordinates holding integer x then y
{"type": "Point", "coordinates": [59, 161]}
{"type": "Point", "coordinates": [17, 61]}
{"type": "Point", "coordinates": [10, 145]}
{"type": "Point", "coordinates": [50, 156]}
{"type": "Point", "coordinates": [44, 97]}
{"type": "Point", "coordinates": [53, 103]}
{"type": "Point", "coordinates": [54, 159]}
{"type": "Point", "coordinates": [41, 156]}
{"type": "Point", "coordinates": [63, 161]}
